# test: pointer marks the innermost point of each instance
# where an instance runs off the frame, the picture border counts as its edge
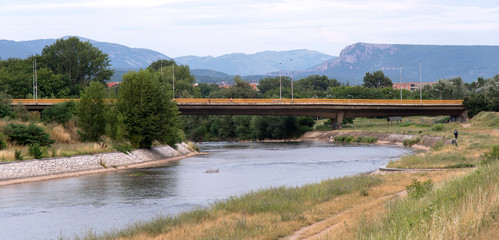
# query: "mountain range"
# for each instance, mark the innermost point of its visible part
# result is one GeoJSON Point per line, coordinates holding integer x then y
{"type": "Point", "coordinates": [403, 61]}
{"type": "Point", "coordinates": [397, 61]}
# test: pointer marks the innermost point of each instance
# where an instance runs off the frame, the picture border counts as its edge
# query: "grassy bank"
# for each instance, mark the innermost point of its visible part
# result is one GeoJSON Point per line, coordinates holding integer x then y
{"type": "Point", "coordinates": [464, 208]}
{"type": "Point", "coordinates": [462, 204]}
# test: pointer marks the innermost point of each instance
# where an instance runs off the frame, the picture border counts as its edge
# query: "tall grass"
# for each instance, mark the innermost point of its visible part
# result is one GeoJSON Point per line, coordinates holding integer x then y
{"type": "Point", "coordinates": [457, 210]}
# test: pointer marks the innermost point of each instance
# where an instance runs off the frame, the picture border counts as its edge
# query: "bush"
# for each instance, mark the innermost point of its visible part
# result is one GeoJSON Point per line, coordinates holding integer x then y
{"type": "Point", "coordinates": [3, 141]}
{"type": "Point", "coordinates": [410, 142]}
{"type": "Point", "coordinates": [17, 154]}
{"type": "Point", "coordinates": [437, 128]}
{"type": "Point", "coordinates": [5, 101]}
{"type": "Point", "coordinates": [22, 113]}
{"type": "Point", "coordinates": [35, 150]}
{"type": "Point", "coordinates": [28, 134]}
{"type": "Point", "coordinates": [418, 189]}
{"type": "Point", "coordinates": [491, 156]}
{"type": "Point", "coordinates": [60, 113]}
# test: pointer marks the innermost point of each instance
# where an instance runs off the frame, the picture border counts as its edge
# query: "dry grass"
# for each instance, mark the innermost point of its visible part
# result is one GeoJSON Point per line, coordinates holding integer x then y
{"type": "Point", "coordinates": [61, 135]}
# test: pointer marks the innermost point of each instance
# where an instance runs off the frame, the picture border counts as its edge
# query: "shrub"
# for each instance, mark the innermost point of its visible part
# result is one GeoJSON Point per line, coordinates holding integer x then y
{"type": "Point", "coordinates": [339, 138]}
{"type": "Point", "coordinates": [18, 155]}
{"type": "Point", "coordinates": [491, 156]}
{"type": "Point", "coordinates": [418, 189]}
{"type": "Point", "coordinates": [410, 142]}
{"type": "Point", "coordinates": [35, 150]}
{"type": "Point", "coordinates": [27, 134]}
{"type": "Point", "coordinates": [5, 101]}
{"type": "Point", "coordinates": [3, 141]}
{"type": "Point", "coordinates": [349, 139]}
{"type": "Point", "coordinates": [437, 128]}
{"type": "Point", "coordinates": [60, 113]}
{"type": "Point", "coordinates": [371, 139]}
{"type": "Point", "coordinates": [22, 113]}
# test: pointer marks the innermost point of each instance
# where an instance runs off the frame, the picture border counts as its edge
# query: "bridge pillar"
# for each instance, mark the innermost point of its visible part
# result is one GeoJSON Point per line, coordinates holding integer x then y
{"type": "Point", "coordinates": [460, 118]}
{"type": "Point", "coordinates": [338, 121]}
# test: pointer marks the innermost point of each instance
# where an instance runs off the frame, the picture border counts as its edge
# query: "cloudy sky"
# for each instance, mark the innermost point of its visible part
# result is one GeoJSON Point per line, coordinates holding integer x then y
{"type": "Point", "coordinates": [217, 27]}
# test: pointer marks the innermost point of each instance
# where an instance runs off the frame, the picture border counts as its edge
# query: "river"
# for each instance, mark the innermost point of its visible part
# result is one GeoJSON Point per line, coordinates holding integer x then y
{"type": "Point", "coordinates": [97, 203]}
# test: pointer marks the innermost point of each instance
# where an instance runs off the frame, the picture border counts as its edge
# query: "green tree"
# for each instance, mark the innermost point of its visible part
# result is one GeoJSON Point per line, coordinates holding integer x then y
{"type": "Point", "coordinates": [241, 89]}
{"type": "Point", "coordinates": [148, 110]}
{"type": "Point", "coordinates": [183, 79]}
{"type": "Point", "coordinates": [80, 62]}
{"type": "Point", "coordinates": [453, 88]}
{"type": "Point", "coordinates": [5, 102]}
{"type": "Point", "coordinates": [91, 111]}
{"type": "Point", "coordinates": [377, 80]}
{"type": "Point", "coordinates": [59, 113]}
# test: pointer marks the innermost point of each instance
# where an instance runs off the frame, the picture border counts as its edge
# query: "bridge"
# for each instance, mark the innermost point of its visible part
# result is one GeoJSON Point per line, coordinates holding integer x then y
{"type": "Point", "coordinates": [335, 109]}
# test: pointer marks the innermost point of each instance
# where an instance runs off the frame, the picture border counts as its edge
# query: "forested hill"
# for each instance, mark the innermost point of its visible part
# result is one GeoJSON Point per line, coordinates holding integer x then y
{"type": "Point", "coordinates": [258, 63]}
{"type": "Point", "coordinates": [122, 57]}
{"type": "Point", "coordinates": [438, 62]}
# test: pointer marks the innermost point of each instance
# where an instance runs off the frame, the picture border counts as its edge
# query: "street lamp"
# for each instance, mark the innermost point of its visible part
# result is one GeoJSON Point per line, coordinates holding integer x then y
{"type": "Point", "coordinates": [292, 97]}
{"type": "Point", "coordinates": [280, 82]}
{"type": "Point", "coordinates": [173, 72]}
{"type": "Point", "coordinates": [420, 85]}
{"type": "Point", "coordinates": [400, 82]}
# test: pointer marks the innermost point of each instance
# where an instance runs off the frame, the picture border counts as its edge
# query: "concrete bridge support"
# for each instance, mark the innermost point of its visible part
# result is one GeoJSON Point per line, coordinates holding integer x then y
{"type": "Point", "coordinates": [338, 120]}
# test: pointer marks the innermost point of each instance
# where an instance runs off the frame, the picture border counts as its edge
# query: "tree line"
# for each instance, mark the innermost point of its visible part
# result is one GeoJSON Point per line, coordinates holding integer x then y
{"type": "Point", "coordinates": [73, 69]}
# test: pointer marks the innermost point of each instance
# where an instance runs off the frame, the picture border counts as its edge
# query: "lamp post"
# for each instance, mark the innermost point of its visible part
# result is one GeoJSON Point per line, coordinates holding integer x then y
{"type": "Point", "coordinates": [173, 72]}
{"type": "Point", "coordinates": [280, 82]}
{"type": "Point", "coordinates": [400, 82]}
{"type": "Point", "coordinates": [292, 96]}
{"type": "Point", "coordinates": [35, 83]}
{"type": "Point", "coordinates": [420, 85]}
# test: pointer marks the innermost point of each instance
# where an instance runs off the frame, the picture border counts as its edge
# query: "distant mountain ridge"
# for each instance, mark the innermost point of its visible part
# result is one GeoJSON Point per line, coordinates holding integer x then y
{"type": "Point", "coordinates": [437, 62]}
{"type": "Point", "coordinates": [122, 57]}
{"type": "Point", "coordinates": [258, 63]}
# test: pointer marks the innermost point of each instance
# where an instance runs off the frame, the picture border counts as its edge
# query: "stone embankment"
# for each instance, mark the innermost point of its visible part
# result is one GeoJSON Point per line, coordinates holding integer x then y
{"type": "Point", "coordinates": [425, 143]}
{"type": "Point", "coordinates": [50, 168]}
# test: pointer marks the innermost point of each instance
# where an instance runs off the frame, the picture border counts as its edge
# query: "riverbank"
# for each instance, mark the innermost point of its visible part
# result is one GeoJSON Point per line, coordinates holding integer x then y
{"type": "Point", "coordinates": [461, 202]}
{"type": "Point", "coordinates": [426, 142]}
{"type": "Point", "coordinates": [61, 167]}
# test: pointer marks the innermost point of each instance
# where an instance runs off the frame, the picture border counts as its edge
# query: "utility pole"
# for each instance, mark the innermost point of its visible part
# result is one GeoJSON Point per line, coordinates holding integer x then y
{"type": "Point", "coordinates": [420, 85]}
{"type": "Point", "coordinates": [173, 78]}
{"type": "Point", "coordinates": [400, 82]}
{"type": "Point", "coordinates": [292, 96]}
{"type": "Point", "coordinates": [35, 83]}
{"type": "Point", "coordinates": [280, 81]}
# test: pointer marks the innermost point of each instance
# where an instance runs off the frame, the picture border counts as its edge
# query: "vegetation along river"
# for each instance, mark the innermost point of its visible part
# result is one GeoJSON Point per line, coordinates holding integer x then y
{"type": "Point", "coordinates": [101, 202]}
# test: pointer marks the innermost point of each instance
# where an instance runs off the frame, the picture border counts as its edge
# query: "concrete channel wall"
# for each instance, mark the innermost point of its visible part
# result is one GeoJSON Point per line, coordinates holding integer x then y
{"type": "Point", "coordinates": [80, 163]}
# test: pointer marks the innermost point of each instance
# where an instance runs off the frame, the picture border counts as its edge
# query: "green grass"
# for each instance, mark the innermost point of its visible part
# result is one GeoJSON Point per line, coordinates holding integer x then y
{"type": "Point", "coordinates": [458, 209]}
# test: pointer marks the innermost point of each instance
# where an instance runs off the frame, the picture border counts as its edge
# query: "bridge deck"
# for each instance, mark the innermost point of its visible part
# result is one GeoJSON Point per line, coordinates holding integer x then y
{"type": "Point", "coordinates": [329, 108]}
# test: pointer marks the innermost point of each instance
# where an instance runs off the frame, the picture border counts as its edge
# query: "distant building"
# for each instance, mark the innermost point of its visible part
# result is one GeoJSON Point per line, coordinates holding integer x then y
{"type": "Point", "coordinates": [412, 86]}
{"type": "Point", "coordinates": [112, 84]}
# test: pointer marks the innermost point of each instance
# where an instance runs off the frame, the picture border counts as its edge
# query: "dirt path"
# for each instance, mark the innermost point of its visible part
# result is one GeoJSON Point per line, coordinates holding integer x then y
{"type": "Point", "coordinates": [340, 222]}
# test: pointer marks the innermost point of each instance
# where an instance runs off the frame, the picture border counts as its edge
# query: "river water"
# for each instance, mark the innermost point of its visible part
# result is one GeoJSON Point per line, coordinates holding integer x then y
{"type": "Point", "coordinates": [97, 203]}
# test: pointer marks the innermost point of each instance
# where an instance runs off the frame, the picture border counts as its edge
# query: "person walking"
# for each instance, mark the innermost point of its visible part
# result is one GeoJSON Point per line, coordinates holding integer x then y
{"type": "Point", "coordinates": [456, 133]}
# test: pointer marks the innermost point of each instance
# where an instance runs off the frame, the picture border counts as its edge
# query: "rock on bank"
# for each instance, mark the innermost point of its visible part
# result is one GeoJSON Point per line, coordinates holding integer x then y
{"type": "Point", "coordinates": [22, 171]}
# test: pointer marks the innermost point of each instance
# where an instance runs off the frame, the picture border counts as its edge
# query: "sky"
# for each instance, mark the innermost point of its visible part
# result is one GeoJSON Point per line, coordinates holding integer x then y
{"type": "Point", "coordinates": [217, 27]}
